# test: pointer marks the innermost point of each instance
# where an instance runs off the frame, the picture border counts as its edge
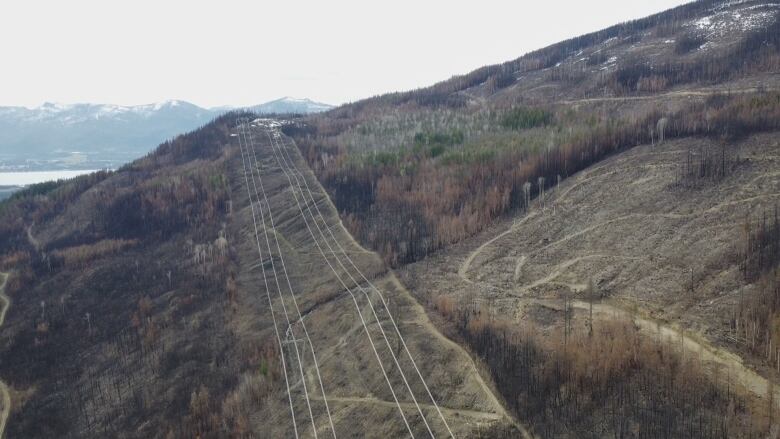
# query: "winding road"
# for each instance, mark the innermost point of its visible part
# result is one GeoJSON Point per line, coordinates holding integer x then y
{"type": "Point", "coordinates": [5, 408]}
{"type": "Point", "coordinates": [732, 364]}
{"type": "Point", "coordinates": [672, 94]}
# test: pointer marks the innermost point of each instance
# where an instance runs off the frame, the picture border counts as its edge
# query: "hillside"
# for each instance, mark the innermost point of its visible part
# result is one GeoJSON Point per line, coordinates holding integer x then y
{"type": "Point", "coordinates": [457, 155]}
{"type": "Point", "coordinates": [649, 249]}
{"type": "Point", "coordinates": [579, 243]}
{"type": "Point", "coordinates": [149, 278]}
{"type": "Point", "coordinates": [659, 136]}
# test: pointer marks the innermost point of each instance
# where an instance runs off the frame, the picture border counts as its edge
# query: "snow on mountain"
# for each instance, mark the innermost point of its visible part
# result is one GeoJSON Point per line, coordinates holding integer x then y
{"type": "Point", "coordinates": [108, 135]}
{"type": "Point", "coordinates": [291, 105]}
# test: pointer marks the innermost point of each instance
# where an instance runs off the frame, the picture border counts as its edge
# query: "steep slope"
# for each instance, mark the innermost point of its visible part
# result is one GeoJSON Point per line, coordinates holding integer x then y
{"type": "Point", "coordinates": [455, 156]}
{"type": "Point", "coordinates": [348, 316]}
{"type": "Point", "coordinates": [110, 302]}
{"type": "Point", "coordinates": [643, 243]}
{"type": "Point", "coordinates": [210, 289]}
{"type": "Point", "coordinates": [658, 136]}
{"type": "Point", "coordinates": [149, 278]}
{"type": "Point", "coordinates": [5, 408]}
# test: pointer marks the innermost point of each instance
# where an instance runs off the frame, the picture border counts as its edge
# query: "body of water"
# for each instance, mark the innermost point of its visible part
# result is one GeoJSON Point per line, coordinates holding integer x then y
{"type": "Point", "coordinates": [28, 178]}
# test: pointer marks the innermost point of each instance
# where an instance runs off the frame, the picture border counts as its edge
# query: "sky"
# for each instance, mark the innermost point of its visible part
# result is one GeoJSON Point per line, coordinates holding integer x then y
{"type": "Point", "coordinates": [236, 52]}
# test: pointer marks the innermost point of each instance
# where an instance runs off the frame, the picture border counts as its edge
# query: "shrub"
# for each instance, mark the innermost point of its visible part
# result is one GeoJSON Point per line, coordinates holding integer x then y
{"type": "Point", "coordinates": [524, 118]}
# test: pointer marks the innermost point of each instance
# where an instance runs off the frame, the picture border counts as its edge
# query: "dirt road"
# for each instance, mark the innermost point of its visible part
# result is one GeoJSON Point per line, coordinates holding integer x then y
{"type": "Point", "coordinates": [673, 94]}
{"type": "Point", "coordinates": [729, 363]}
{"type": "Point", "coordinates": [5, 408]}
{"type": "Point", "coordinates": [724, 360]}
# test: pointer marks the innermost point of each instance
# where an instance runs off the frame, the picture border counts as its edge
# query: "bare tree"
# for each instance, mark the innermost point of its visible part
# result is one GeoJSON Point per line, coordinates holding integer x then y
{"type": "Point", "coordinates": [527, 191]}
{"type": "Point", "coordinates": [662, 129]}
{"type": "Point", "coordinates": [652, 134]}
{"type": "Point", "coordinates": [770, 397]}
{"type": "Point", "coordinates": [222, 245]}
{"type": "Point", "coordinates": [591, 295]}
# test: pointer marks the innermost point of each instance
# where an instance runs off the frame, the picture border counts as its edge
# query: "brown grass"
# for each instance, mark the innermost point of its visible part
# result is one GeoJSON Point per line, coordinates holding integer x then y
{"type": "Point", "coordinates": [80, 255]}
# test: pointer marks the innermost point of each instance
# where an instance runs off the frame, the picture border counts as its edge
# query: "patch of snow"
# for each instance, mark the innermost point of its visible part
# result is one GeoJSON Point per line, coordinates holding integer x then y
{"type": "Point", "coordinates": [707, 45]}
{"type": "Point", "coordinates": [725, 5]}
{"type": "Point", "coordinates": [53, 107]}
{"type": "Point", "coordinates": [703, 23]}
{"type": "Point", "coordinates": [765, 5]}
{"type": "Point", "coordinates": [741, 19]}
{"type": "Point", "coordinates": [270, 123]}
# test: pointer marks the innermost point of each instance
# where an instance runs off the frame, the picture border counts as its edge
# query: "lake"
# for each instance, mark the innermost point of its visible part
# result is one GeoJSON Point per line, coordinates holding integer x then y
{"type": "Point", "coordinates": [28, 178]}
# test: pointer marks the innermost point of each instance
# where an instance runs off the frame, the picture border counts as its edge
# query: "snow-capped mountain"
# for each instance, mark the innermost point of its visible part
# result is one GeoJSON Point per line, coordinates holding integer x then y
{"type": "Point", "coordinates": [99, 135]}
{"type": "Point", "coordinates": [291, 105]}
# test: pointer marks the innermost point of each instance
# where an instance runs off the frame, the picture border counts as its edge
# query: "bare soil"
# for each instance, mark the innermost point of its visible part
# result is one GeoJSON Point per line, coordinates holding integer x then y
{"type": "Point", "coordinates": [5, 403]}
{"type": "Point", "coordinates": [359, 399]}
{"type": "Point", "coordinates": [660, 254]}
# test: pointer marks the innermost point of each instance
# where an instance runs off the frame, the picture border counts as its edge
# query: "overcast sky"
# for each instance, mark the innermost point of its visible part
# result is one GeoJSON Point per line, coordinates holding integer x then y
{"type": "Point", "coordinates": [232, 52]}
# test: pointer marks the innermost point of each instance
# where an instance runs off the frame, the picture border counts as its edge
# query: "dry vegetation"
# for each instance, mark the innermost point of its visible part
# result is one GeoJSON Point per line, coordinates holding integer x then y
{"type": "Point", "coordinates": [80, 255]}
{"type": "Point", "coordinates": [611, 382]}
{"type": "Point", "coordinates": [756, 322]}
{"type": "Point", "coordinates": [135, 305]}
{"type": "Point", "coordinates": [127, 290]}
{"type": "Point", "coordinates": [409, 201]}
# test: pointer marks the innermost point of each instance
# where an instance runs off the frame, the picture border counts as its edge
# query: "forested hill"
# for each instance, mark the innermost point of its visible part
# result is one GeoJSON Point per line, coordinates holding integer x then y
{"type": "Point", "coordinates": [452, 157]}
{"type": "Point", "coordinates": [702, 42]}
{"type": "Point", "coordinates": [140, 306]}
{"type": "Point", "coordinates": [110, 302]}
{"type": "Point", "coordinates": [143, 305]}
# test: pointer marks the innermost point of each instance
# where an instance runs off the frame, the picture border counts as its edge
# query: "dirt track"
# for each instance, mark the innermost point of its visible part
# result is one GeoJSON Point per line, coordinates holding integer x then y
{"type": "Point", "coordinates": [729, 362]}
{"type": "Point", "coordinates": [596, 234]}
{"type": "Point", "coordinates": [419, 318]}
{"type": "Point", "coordinates": [5, 409]}
{"type": "Point", "coordinates": [350, 368]}
{"type": "Point", "coordinates": [673, 94]}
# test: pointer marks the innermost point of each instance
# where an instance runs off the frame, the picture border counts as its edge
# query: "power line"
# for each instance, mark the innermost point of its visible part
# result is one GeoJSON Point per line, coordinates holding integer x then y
{"type": "Point", "coordinates": [268, 292]}
{"type": "Point", "coordinates": [363, 290]}
{"type": "Point", "coordinates": [289, 284]}
{"type": "Point", "coordinates": [360, 314]}
{"type": "Point", "coordinates": [381, 296]}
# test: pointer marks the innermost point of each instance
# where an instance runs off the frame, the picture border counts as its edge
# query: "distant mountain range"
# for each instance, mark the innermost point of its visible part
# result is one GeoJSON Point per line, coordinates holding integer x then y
{"type": "Point", "coordinates": [57, 136]}
{"type": "Point", "coordinates": [291, 105]}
